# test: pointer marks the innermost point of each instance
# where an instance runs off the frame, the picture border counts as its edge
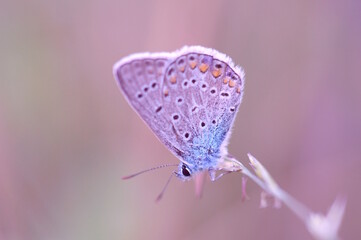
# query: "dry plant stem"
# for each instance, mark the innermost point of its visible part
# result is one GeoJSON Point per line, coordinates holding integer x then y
{"type": "Point", "coordinates": [298, 208]}
{"type": "Point", "coordinates": [323, 227]}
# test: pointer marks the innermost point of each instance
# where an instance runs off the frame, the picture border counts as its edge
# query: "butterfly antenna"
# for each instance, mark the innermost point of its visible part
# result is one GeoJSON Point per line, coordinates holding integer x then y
{"type": "Point", "coordinates": [147, 170]}
{"type": "Point", "coordinates": [164, 188]}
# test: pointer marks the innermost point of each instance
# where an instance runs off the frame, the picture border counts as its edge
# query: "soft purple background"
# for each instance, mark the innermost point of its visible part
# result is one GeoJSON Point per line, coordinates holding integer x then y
{"type": "Point", "coordinates": [67, 135]}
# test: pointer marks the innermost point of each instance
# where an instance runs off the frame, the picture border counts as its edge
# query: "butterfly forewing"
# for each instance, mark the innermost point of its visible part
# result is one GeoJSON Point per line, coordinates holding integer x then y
{"type": "Point", "coordinates": [141, 80]}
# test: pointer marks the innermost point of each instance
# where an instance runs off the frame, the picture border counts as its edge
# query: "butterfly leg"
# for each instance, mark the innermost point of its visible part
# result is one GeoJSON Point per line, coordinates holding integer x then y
{"type": "Point", "coordinates": [212, 174]}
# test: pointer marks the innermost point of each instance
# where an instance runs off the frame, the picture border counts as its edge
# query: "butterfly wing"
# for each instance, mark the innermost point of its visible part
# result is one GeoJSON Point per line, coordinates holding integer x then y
{"type": "Point", "coordinates": [188, 98]}
{"type": "Point", "coordinates": [140, 77]}
{"type": "Point", "coordinates": [204, 90]}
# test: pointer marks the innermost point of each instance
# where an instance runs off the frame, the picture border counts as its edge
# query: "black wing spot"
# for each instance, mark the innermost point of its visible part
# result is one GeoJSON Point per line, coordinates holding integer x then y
{"type": "Point", "coordinates": [225, 94]}
{"type": "Point", "coordinates": [170, 71]}
{"type": "Point", "coordinates": [185, 84]}
{"type": "Point", "coordinates": [204, 87]}
{"type": "Point", "coordinates": [158, 109]}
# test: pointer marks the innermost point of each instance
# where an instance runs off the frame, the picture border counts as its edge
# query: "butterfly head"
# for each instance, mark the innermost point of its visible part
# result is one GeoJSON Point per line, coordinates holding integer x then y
{"type": "Point", "coordinates": [184, 172]}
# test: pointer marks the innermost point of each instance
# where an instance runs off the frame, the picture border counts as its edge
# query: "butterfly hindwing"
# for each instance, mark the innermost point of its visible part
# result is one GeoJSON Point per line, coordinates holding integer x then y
{"type": "Point", "coordinates": [203, 94]}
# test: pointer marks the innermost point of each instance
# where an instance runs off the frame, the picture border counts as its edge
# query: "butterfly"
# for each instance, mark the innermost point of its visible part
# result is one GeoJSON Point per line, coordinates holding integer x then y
{"type": "Point", "coordinates": [189, 98]}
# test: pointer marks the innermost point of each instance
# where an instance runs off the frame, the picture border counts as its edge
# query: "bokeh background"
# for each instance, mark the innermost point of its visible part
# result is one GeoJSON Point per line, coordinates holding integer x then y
{"type": "Point", "coordinates": [67, 135]}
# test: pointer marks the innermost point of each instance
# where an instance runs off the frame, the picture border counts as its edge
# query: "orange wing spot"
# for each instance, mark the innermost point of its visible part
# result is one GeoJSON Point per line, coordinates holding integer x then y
{"type": "Point", "coordinates": [216, 73]}
{"type": "Point", "coordinates": [203, 67]}
{"type": "Point", "coordinates": [173, 79]}
{"type": "Point", "coordinates": [239, 90]}
{"type": "Point", "coordinates": [193, 64]}
{"type": "Point", "coordinates": [166, 92]}
{"type": "Point", "coordinates": [232, 83]}
{"type": "Point", "coordinates": [225, 80]}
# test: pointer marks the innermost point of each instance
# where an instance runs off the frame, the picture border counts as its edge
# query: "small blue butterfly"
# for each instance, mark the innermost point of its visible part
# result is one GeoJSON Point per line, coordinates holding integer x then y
{"type": "Point", "coordinates": [189, 98]}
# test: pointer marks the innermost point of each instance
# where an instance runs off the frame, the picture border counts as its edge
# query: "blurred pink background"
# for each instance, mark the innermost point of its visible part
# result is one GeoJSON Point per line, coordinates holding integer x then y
{"type": "Point", "coordinates": [67, 134]}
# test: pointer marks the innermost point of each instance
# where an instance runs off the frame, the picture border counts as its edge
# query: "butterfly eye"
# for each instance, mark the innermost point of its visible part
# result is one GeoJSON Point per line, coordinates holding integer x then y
{"type": "Point", "coordinates": [185, 171]}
